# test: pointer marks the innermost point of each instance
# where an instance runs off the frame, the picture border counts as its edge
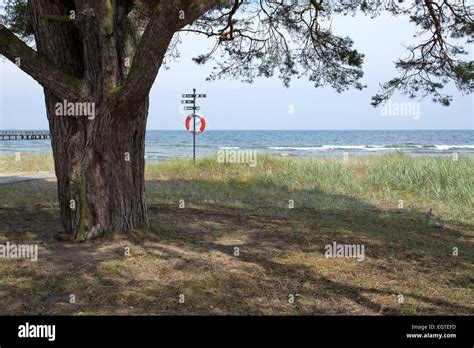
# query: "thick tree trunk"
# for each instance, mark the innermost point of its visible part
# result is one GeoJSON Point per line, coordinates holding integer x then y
{"type": "Point", "coordinates": [104, 55]}
{"type": "Point", "coordinates": [99, 161]}
{"type": "Point", "coordinates": [100, 170]}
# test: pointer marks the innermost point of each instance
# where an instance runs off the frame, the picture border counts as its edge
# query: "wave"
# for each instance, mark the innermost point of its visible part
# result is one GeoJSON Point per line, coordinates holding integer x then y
{"type": "Point", "coordinates": [327, 147]}
{"type": "Point", "coordinates": [430, 146]}
{"type": "Point", "coordinates": [302, 148]}
{"type": "Point", "coordinates": [453, 147]}
{"type": "Point", "coordinates": [392, 147]}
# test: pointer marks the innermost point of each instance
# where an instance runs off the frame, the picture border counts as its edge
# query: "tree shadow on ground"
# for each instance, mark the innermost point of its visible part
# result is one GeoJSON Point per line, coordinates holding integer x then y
{"type": "Point", "coordinates": [353, 219]}
{"type": "Point", "coordinates": [191, 252]}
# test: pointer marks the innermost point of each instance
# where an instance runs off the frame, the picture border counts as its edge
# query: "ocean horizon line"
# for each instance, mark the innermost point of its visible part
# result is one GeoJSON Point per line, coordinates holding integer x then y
{"type": "Point", "coordinates": [276, 130]}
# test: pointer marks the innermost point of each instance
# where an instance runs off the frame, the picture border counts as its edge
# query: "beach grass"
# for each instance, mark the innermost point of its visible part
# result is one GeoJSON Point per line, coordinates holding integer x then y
{"type": "Point", "coordinates": [26, 162]}
{"type": "Point", "coordinates": [442, 184]}
{"type": "Point", "coordinates": [236, 239]}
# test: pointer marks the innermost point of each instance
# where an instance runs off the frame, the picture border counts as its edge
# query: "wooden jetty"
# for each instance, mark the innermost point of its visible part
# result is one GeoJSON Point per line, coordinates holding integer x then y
{"type": "Point", "coordinates": [24, 135]}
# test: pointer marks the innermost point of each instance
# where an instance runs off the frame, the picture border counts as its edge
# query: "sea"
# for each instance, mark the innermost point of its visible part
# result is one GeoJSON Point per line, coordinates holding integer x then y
{"type": "Point", "coordinates": [169, 144]}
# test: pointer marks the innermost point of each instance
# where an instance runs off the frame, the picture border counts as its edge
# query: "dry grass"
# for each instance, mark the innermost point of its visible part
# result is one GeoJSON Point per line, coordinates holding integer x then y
{"type": "Point", "coordinates": [191, 251]}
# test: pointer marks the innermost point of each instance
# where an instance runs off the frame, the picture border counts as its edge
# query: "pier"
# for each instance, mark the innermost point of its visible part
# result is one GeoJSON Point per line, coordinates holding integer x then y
{"type": "Point", "coordinates": [24, 135]}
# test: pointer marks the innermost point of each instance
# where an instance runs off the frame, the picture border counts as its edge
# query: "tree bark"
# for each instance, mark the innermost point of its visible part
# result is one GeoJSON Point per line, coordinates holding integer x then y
{"type": "Point", "coordinates": [100, 172]}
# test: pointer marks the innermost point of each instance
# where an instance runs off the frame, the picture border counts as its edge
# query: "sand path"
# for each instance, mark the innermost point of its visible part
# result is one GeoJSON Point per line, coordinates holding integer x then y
{"type": "Point", "coordinates": [10, 178]}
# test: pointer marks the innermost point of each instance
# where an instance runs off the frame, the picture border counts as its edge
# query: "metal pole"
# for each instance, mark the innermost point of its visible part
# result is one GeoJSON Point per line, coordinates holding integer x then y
{"type": "Point", "coordinates": [194, 125]}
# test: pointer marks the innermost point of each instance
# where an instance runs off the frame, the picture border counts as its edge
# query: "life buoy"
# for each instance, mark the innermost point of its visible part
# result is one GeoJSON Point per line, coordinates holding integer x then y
{"type": "Point", "coordinates": [200, 118]}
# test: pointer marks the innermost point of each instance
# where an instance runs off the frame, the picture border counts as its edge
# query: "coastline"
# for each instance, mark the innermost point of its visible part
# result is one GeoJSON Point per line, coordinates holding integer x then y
{"type": "Point", "coordinates": [165, 145]}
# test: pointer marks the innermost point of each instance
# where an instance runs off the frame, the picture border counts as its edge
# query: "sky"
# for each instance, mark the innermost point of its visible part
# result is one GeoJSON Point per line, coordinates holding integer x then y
{"type": "Point", "coordinates": [267, 104]}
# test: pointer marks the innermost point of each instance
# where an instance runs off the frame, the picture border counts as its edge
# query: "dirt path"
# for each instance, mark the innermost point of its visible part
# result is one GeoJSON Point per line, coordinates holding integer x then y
{"type": "Point", "coordinates": [9, 178]}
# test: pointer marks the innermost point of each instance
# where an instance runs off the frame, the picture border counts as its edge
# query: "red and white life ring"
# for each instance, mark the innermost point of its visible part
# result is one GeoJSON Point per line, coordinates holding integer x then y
{"type": "Point", "coordinates": [201, 119]}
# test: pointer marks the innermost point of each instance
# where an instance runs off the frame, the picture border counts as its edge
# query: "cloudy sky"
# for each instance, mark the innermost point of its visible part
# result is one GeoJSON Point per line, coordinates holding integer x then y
{"type": "Point", "coordinates": [266, 104]}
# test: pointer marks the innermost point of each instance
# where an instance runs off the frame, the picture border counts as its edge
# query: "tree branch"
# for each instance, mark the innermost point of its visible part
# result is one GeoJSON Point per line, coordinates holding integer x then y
{"type": "Point", "coordinates": [38, 67]}
{"type": "Point", "coordinates": [168, 17]}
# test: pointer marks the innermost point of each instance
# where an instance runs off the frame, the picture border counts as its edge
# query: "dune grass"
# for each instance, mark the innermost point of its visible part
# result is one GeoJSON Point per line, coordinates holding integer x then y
{"type": "Point", "coordinates": [279, 215]}
{"type": "Point", "coordinates": [445, 185]}
{"type": "Point", "coordinates": [440, 183]}
{"type": "Point", "coordinates": [26, 162]}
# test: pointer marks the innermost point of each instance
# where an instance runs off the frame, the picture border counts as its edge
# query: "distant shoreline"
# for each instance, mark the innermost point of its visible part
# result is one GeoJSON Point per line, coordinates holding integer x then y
{"type": "Point", "coordinates": [162, 145]}
{"type": "Point", "coordinates": [286, 130]}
